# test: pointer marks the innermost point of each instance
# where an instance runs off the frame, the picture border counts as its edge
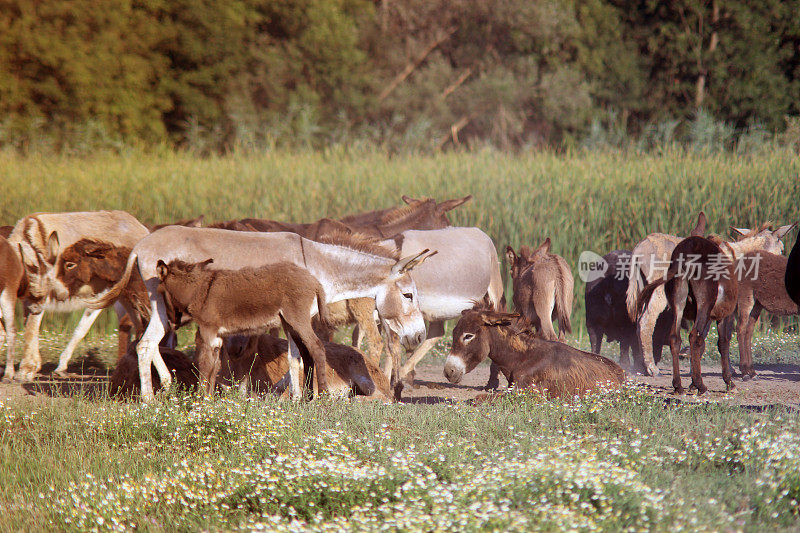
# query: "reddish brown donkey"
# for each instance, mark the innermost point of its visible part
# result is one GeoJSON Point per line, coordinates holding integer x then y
{"type": "Point", "coordinates": [543, 287]}
{"type": "Point", "coordinates": [550, 366]}
{"type": "Point", "coordinates": [247, 301]}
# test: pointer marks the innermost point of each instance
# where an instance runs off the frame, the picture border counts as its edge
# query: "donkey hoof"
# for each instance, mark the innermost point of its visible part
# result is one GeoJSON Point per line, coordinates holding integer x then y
{"type": "Point", "coordinates": [652, 370]}
{"type": "Point", "coordinates": [678, 391]}
{"type": "Point", "coordinates": [746, 376]}
{"type": "Point", "coordinates": [7, 379]}
{"type": "Point", "coordinates": [730, 387]}
{"type": "Point", "coordinates": [61, 373]}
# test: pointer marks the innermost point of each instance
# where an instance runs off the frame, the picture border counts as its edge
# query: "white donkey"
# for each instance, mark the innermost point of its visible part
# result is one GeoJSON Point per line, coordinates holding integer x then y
{"type": "Point", "coordinates": [346, 267]}
{"type": "Point", "coordinates": [39, 238]}
{"type": "Point", "coordinates": [464, 271]}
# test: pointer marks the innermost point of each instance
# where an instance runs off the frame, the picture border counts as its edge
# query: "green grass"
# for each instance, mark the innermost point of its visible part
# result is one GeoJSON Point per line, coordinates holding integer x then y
{"type": "Point", "coordinates": [582, 201]}
{"type": "Point", "coordinates": [619, 460]}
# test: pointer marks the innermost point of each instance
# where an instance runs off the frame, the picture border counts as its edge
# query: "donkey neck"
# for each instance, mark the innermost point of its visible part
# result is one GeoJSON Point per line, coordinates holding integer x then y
{"type": "Point", "coordinates": [345, 273]}
{"type": "Point", "coordinates": [506, 347]}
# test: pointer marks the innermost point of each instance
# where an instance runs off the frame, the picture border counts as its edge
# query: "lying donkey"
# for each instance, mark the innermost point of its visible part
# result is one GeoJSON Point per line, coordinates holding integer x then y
{"type": "Point", "coordinates": [259, 364]}
{"type": "Point", "coordinates": [246, 301]}
{"type": "Point", "coordinates": [550, 366]}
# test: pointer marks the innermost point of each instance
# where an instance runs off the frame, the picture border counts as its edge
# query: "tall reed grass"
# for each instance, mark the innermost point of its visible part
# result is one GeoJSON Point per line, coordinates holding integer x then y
{"type": "Point", "coordinates": [582, 200]}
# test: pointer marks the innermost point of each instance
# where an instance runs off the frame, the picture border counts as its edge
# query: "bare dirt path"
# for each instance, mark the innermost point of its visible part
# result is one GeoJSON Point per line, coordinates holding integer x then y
{"type": "Point", "coordinates": [776, 384]}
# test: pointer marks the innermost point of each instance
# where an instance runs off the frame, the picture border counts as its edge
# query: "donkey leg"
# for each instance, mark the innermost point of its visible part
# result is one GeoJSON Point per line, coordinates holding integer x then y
{"type": "Point", "coordinates": [208, 345]}
{"type": "Point", "coordinates": [87, 319]}
{"type": "Point", "coordinates": [313, 345]}
{"type": "Point", "coordinates": [363, 310]}
{"type": "Point", "coordinates": [494, 377]}
{"type": "Point", "coordinates": [295, 368]}
{"type": "Point", "coordinates": [725, 331]}
{"type": "Point", "coordinates": [646, 326]}
{"type": "Point", "coordinates": [697, 344]}
{"type": "Point", "coordinates": [747, 325]}
{"type": "Point", "coordinates": [147, 349]}
{"type": "Point", "coordinates": [435, 332]}
{"type": "Point", "coordinates": [7, 308]}
{"type": "Point", "coordinates": [677, 298]}
{"type": "Point", "coordinates": [31, 360]}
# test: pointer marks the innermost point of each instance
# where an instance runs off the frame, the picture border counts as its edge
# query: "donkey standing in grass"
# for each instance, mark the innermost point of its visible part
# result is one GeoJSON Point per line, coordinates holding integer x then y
{"type": "Point", "coordinates": [792, 277]}
{"type": "Point", "coordinates": [246, 301]}
{"type": "Point", "coordinates": [39, 239]}
{"type": "Point", "coordinates": [706, 270]}
{"type": "Point", "coordinates": [543, 286]}
{"type": "Point", "coordinates": [345, 267]}
{"type": "Point", "coordinates": [760, 292]}
{"type": "Point", "coordinates": [550, 366]}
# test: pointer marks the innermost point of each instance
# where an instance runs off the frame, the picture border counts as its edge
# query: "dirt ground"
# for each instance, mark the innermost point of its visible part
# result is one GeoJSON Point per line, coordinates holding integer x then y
{"type": "Point", "coordinates": [775, 384]}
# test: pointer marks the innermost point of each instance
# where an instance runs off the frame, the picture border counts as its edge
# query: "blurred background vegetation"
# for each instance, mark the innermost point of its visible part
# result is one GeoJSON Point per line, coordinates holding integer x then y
{"type": "Point", "coordinates": [404, 75]}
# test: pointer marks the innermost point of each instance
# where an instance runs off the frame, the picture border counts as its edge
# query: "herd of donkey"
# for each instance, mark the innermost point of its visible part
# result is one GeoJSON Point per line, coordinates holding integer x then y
{"type": "Point", "coordinates": [396, 274]}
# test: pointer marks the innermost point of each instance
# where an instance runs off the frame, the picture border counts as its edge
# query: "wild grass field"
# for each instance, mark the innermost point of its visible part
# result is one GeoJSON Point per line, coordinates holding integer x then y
{"type": "Point", "coordinates": [616, 460]}
{"type": "Point", "coordinates": [583, 200]}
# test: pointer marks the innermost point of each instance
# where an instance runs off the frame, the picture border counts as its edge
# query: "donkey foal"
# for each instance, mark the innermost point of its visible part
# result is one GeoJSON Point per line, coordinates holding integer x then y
{"type": "Point", "coordinates": [247, 301]}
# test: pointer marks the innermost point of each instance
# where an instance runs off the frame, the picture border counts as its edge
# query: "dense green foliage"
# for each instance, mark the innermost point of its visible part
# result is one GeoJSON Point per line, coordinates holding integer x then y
{"type": "Point", "coordinates": [408, 74]}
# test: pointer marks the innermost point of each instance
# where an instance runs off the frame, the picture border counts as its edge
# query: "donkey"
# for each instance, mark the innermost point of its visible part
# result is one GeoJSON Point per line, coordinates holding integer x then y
{"type": "Point", "coordinates": [705, 270]}
{"type": "Point", "coordinates": [761, 292]}
{"type": "Point", "coordinates": [607, 313]}
{"type": "Point", "coordinates": [39, 240]}
{"type": "Point", "coordinates": [260, 364]}
{"type": "Point", "coordinates": [249, 300]}
{"type": "Point", "coordinates": [543, 287]}
{"type": "Point", "coordinates": [553, 367]}
{"type": "Point", "coordinates": [125, 383]}
{"type": "Point", "coordinates": [418, 214]}
{"type": "Point", "coordinates": [345, 266]}
{"type": "Point", "coordinates": [792, 276]}
{"type": "Point", "coordinates": [12, 283]}
{"type": "Point", "coordinates": [464, 270]}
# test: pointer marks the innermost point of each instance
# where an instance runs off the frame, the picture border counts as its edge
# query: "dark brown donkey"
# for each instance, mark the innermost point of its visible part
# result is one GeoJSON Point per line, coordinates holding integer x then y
{"type": "Point", "coordinates": [260, 364]}
{"type": "Point", "coordinates": [552, 367]}
{"type": "Point", "coordinates": [792, 277]}
{"type": "Point", "coordinates": [543, 287]}
{"type": "Point", "coordinates": [763, 291]}
{"type": "Point", "coordinates": [247, 301]}
{"type": "Point", "coordinates": [701, 284]}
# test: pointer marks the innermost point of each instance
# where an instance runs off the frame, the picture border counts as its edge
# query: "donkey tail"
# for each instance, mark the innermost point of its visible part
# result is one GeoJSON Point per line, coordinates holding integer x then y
{"type": "Point", "coordinates": [635, 286]}
{"type": "Point", "coordinates": [564, 301]}
{"type": "Point", "coordinates": [107, 298]}
{"type": "Point", "coordinates": [647, 293]}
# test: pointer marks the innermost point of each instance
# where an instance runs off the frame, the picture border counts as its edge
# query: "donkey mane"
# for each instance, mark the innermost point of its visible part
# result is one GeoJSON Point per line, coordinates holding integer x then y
{"type": "Point", "coordinates": [360, 243]}
{"type": "Point", "coordinates": [399, 213]}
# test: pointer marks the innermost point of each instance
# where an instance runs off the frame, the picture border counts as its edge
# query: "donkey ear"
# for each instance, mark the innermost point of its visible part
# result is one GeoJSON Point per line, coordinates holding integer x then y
{"type": "Point", "coordinates": [447, 205]}
{"type": "Point", "coordinates": [28, 257]}
{"type": "Point", "coordinates": [783, 230]}
{"type": "Point", "coordinates": [205, 263]}
{"type": "Point", "coordinates": [511, 255]}
{"type": "Point", "coordinates": [53, 246]}
{"type": "Point", "coordinates": [741, 232]}
{"type": "Point", "coordinates": [543, 248]}
{"type": "Point", "coordinates": [408, 199]}
{"type": "Point", "coordinates": [162, 270]}
{"type": "Point", "coordinates": [700, 228]}
{"type": "Point", "coordinates": [499, 319]}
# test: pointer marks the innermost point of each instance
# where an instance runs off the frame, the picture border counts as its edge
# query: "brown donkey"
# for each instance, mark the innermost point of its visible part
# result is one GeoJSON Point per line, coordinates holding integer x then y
{"type": "Point", "coordinates": [260, 364]}
{"type": "Point", "coordinates": [763, 291]}
{"type": "Point", "coordinates": [552, 367]}
{"type": "Point", "coordinates": [700, 284]}
{"type": "Point", "coordinates": [12, 285]}
{"type": "Point", "coordinates": [246, 301]}
{"type": "Point", "coordinates": [543, 287]}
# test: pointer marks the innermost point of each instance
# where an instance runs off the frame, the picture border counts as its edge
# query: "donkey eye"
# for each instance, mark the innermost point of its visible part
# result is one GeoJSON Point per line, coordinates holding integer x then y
{"type": "Point", "coordinates": [466, 337]}
{"type": "Point", "coordinates": [70, 265]}
{"type": "Point", "coordinates": [409, 295]}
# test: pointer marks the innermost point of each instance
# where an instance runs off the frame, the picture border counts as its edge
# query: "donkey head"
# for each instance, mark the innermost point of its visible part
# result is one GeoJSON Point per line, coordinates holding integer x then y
{"type": "Point", "coordinates": [40, 270]}
{"type": "Point", "coordinates": [763, 238]}
{"type": "Point", "coordinates": [472, 341]}
{"type": "Point", "coordinates": [419, 214]}
{"type": "Point", "coordinates": [89, 266]}
{"type": "Point", "coordinates": [397, 301]}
